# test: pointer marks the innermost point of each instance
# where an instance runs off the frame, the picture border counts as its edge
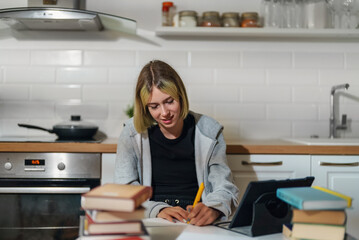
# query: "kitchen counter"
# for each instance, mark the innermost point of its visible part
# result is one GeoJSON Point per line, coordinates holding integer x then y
{"type": "Point", "coordinates": [233, 147]}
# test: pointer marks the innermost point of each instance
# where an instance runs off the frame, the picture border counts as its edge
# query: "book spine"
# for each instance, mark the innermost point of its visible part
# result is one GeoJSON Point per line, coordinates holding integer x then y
{"type": "Point", "coordinates": [345, 197]}
{"type": "Point", "coordinates": [143, 197]}
{"type": "Point", "coordinates": [291, 200]}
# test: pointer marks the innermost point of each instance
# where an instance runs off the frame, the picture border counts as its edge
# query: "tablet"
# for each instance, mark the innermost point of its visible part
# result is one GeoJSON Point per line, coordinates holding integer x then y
{"type": "Point", "coordinates": [242, 219]}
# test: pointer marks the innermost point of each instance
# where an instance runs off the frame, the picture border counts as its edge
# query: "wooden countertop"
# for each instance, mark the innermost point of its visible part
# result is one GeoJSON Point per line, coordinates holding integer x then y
{"type": "Point", "coordinates": [240, 147]}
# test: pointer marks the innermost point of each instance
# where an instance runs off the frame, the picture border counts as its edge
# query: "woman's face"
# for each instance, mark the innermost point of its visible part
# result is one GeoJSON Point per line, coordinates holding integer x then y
{"type": "Point", "coordinates": [165, 110]}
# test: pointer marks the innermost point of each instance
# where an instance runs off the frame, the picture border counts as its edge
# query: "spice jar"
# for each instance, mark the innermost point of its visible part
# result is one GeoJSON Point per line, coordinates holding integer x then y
{"type": "Point", "coordinates": [230, 19]}
{"type": "Point", "coordinates": [211, 19]}
{"type": "Point", "coordinates": [188, 19]}
{"type": "Point", "coordinates": [167, 13]}
{"type": "Point", "coordinates": [249, 19]}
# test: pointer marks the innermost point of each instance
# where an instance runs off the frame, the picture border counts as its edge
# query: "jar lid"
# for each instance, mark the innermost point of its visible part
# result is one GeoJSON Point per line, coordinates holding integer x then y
{"type": "Point", "coordinates": [230, 15]}
{"type": "Point", "coordinates": [250, 15]}
{"type": "Point", "coordinates": [188, 13]}
{"type": "Point", "coordinates": [167, 4]}
{"type": "Point", "coordinates": [211, 14]}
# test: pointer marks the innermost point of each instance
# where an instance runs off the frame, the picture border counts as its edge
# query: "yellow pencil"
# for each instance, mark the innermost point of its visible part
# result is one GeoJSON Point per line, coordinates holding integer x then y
{"type": "Point", "coordinates": [198, 195]}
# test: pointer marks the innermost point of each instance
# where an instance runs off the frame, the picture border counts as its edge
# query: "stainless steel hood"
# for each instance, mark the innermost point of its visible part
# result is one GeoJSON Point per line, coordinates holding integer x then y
{"type": "Point", "coordinates": [46, 18]}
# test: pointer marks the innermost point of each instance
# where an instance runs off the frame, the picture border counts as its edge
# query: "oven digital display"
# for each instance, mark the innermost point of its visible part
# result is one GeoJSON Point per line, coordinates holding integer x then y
{"type": "Point", "coordinates": [34, 162]}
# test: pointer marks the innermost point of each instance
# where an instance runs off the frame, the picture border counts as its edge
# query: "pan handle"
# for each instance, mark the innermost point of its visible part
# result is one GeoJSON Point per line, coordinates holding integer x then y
{"type": "Point", "coordinates": [35, 127]}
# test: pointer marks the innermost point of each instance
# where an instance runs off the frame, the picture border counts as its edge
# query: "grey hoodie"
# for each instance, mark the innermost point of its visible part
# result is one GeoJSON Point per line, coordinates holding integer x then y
{"type": "Point", "coordinates": [133, 165]}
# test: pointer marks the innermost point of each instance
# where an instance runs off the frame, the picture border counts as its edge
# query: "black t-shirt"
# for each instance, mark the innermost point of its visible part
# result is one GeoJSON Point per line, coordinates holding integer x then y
{"type": "Point", "coordinates": [173, 162]}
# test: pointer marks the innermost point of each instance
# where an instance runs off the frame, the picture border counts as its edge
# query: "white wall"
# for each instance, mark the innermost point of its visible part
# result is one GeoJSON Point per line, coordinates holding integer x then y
{"type": "Point", "coordinates": [257, 88]}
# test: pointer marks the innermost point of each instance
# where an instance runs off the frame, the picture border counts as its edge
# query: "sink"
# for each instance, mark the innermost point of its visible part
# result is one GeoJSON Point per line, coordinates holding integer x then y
{"type": "Point", "coordinates": [325, 141]}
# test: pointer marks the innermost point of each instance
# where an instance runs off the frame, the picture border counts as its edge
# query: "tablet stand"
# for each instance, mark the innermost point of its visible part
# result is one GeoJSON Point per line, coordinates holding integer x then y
{"type": "Point", "coordinates": [269, 215]}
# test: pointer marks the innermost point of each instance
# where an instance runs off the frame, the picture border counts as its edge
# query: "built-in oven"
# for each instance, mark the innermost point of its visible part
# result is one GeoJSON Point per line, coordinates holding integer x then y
{"type": "Point", "coordinates": [40, 193]}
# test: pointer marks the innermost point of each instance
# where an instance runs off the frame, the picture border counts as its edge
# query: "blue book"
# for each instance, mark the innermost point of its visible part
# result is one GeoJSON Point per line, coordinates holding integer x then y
{"type": "Point", "coordinates": [308, 198]}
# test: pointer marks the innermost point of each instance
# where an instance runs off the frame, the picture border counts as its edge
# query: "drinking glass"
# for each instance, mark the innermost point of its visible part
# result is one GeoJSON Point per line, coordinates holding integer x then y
{"type": "Point", "coordinates": [335, 12]}
{"type": "Point", "coordinates": [348, 16]}
{"type": "Point", "coordinates": [288, 13]}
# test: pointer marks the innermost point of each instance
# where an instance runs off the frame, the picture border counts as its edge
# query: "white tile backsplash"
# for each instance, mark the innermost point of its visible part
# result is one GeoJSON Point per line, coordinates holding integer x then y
{"type": "Point", "coordinates": [215, 59]}
{"type": "Point", "coordinates": [256, 89]}
{"type": "Point", "coordinates": [26, 110]}
{"type": "Point", "coordinates": [123, 75]}
{"type": "Point", "coordinates": [76, 75]}
{"type": "Point", "coordinates": [12, 92]}
{"type": "Point", "coordinates": [292, 111]}
{"type": "Point", "coordinates": [352, 60]}
{"type": "Point", "coordinates": [264, 129]}
{"type": "Point", "coordinates": [56, 92]}
{"type": "Point", "coordinates": [292, 77]}
{"type": "Point", "coordinates": [311, 94]}
{"type": "Point", "coordinates": [339, 76]}
{"type": "Point", "coordinates": [109, 58]}
{"type": "Point", "coordinates": [213, 94]}
{"type": "Point", "coordinates": [14, 57]}
{"type": "Point", "coordinates": [174, 58]}
{"type": "Point", "coordinates": [266, 94]}
{"type": "Point", "coordinates": [240, 77]}
{"type": "Point", "coordinates": [29, 75]}
{"type": "Point", "coordinates": [87, 111]}
{"type": "Point", "coordinates": [108, 93]}
{"type": "Point", "coordinates": [240, 111]}
{"type": "Point", "coordinates": [56, 57]}
{"type": "Point", "coordinates": [266, 60]}
{"type": "Point", "coordinates": [319, 60]}
{"type": "Point", "coordinates": [196, 76]}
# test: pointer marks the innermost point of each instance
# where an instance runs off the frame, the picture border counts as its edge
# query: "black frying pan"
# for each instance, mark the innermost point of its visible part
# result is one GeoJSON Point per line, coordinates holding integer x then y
{"type": "Point", "coordinates": [69, 131]}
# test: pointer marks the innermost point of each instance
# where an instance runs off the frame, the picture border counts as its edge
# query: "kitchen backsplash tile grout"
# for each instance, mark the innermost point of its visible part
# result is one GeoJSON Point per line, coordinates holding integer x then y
{"type": "Point", "coordinates": [254, 91]}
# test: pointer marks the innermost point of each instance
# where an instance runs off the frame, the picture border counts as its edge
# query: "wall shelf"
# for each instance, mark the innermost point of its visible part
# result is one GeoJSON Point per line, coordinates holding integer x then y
{"type": "Point", "coordinates": [257, 32]}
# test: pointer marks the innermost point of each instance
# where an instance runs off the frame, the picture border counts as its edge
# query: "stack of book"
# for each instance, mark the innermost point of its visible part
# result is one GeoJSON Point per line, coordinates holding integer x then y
{"type": "Point", "coordinates": [113, 211]}
{"type": "Point", "coordinates": [318, 213]}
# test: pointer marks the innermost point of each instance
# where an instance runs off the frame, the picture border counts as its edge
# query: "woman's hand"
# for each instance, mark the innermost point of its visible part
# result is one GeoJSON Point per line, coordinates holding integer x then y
{"type": "Point", "coordinates": [202, 215]}
{"type": "Point", "coordinates": [172, 213]}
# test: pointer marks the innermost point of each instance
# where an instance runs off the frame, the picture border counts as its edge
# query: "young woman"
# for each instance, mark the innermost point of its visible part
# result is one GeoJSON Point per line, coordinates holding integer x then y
{"type": "Point", "coordinates": [172, 149]}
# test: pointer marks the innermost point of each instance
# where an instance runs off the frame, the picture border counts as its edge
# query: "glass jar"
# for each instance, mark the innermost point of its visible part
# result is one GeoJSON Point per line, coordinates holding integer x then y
{"type": "Point", "coordinates": [188, 19]}
{"type": "Point", "coordinates": [167, 13]}
{"type": "Point", "coordinates": [230, 19]}
{"type": "Point", "coordinates": [249, 19]}
{"type": "Point", "coordinates": [211, 19]}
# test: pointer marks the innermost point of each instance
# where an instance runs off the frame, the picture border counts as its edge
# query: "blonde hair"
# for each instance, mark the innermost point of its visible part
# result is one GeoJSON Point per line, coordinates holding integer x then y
{"type": "Point", "coordinates": [161, 75]}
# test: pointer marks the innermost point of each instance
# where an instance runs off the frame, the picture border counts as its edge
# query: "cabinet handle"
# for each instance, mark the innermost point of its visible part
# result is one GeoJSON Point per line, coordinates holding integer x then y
{"type": "Point", "coordinates": [245, 163]}
{"type": "Point", "coordinates": [353, 164]}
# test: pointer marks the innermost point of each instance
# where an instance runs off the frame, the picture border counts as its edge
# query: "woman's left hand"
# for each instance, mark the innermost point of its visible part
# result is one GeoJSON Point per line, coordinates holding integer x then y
{"type": "Point", "coordinates": [202, 215]}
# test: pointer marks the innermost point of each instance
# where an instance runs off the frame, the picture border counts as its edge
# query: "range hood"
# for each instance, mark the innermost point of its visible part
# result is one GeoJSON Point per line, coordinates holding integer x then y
{"type": "Point", "coordinates": [63, 15]}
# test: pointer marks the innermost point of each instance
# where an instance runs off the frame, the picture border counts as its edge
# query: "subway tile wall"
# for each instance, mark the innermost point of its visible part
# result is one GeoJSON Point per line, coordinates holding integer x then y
{"type": "Point", "coordinates": [257, 89]}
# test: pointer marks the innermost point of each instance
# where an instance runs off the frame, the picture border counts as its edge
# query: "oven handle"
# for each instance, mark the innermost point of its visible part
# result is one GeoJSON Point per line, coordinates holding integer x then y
{"type": "Point", "coordinates": [45, 190]}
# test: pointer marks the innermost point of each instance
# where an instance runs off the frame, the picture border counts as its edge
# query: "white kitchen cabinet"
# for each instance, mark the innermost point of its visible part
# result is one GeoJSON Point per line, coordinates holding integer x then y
{"type": "Point", "coordinates": [107, 167]}
{"type": "Point", "coordinates": [247, 168]}
{"type": "Point", "coordinates": [340, 173]}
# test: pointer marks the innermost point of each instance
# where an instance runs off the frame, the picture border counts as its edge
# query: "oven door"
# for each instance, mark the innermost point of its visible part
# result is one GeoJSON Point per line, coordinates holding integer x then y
{"type": "Point", "coordinates": [41, 209]}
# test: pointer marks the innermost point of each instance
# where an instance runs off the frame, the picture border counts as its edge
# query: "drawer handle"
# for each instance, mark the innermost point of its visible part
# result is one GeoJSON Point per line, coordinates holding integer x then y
{"type": "Point", "coordinates": [245, 163]}
{"type": "Point", "coordinates": [353, 164]}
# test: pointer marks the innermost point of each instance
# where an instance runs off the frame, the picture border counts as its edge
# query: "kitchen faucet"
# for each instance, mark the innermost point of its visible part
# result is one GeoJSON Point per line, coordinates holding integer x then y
{"type": "Point", "coordinates": [333, 127]}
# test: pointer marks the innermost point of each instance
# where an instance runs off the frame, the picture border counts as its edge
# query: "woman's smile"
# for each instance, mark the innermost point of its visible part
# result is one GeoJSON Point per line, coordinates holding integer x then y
{"type": "Point", "coordinates": [165, 110]}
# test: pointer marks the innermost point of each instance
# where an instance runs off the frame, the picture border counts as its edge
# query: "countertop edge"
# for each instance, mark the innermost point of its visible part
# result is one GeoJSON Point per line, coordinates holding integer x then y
{"type": "Point", "coordinates": [251, 147]}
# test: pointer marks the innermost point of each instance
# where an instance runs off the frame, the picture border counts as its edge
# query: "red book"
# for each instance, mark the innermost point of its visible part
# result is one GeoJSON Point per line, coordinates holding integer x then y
{"type": "Point", "coordinates": [120, 227]}
{"type": "Point", "coordinates": [116, 197]}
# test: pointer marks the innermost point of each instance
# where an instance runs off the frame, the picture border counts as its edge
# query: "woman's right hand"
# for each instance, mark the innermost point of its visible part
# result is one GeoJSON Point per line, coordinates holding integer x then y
{"type": "Point", "coordinates": [174, 213]}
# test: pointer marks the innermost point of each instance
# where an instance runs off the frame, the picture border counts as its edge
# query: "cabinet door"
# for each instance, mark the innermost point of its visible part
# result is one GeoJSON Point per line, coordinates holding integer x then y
{"type": "Point", "coordinates": [108, 167]}
{"type": "Point", "coordinates": [341, 174]}
{"type": "Point", "coordinates": [247, 168]}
